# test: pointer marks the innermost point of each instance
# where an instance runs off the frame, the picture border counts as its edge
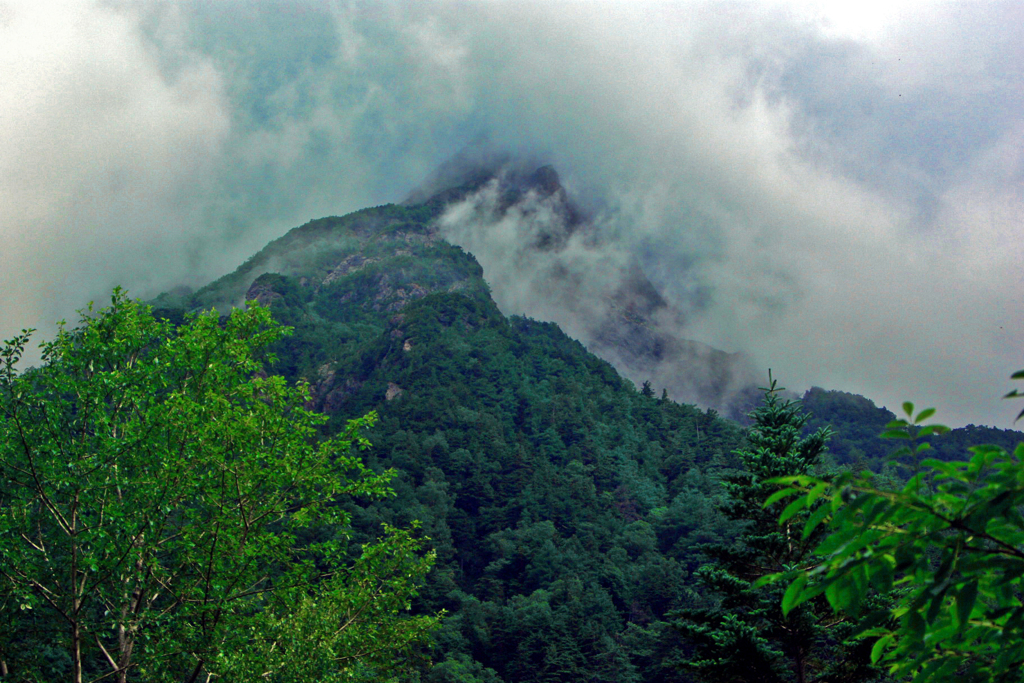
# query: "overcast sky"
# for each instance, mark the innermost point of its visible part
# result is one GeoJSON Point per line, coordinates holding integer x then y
{"type": "Point", "coordinates": [839, 194]}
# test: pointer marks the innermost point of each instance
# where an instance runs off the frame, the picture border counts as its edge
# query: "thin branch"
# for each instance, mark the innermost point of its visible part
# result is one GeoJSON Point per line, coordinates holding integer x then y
{"type": "Point", "coordinates": [106, 654]}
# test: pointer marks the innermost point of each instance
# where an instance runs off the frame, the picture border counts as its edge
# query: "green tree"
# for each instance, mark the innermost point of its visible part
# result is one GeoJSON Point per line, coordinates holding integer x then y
{"type": "Point", "coordinates": [167, 513]}
{"type": "Point", "coordinates": [646, 389]}
{"type": "Point", "coordinates": [744, 636]}
{"type": "Point", "coordinates": [952, 538]}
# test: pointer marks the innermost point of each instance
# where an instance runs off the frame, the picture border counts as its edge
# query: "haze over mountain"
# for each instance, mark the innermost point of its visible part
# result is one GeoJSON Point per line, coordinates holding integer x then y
{"type": "Point", "coordinates": [543, 256]}
{"type": "Point", "coordinates": [836, 196]}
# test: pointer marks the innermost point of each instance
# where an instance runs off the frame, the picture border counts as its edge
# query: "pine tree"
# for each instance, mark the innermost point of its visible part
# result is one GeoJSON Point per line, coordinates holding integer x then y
{"type": "Point", "coordinates": [744, 637]}
{"type": "Point", "coordinates": [646, 389]}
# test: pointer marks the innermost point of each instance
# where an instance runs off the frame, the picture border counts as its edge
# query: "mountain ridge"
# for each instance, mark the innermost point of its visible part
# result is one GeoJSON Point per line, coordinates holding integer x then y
{"type": "Point", "coordinates": [567, 508]}
{"type": "Point", "coordinates": [626, 328]}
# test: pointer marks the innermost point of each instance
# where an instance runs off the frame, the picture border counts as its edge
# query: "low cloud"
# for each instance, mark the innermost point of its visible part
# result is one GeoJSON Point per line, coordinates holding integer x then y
{"type": "Point", "coordinates": [104, 161]}
{"type": "Point", "coordinates": [838, 204]}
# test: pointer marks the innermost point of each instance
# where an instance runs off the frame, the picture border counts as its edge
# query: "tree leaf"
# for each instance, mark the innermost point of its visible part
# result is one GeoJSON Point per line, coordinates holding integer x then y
{"type": "Point", "coordinates": [815, 519]}
{"type": "Point", "coordinates": [965, 600]}
{"type": "Point", "coordinates": [817, 492]}
{"type": "Point", "coordinates": [841, 594]}
{"type": "Point", "coordinates": [792, 596]}
{"type": "Point", "coordinates": [793, 508]}
{"type": "Point", "coordinates": [779, 495]}
{"type": "Point", "coordinates": [879, 647]}
{"type": "Point", "coordinates": [769, 579]}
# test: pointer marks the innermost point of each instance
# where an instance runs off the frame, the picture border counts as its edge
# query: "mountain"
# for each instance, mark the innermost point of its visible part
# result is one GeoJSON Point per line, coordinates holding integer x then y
{"type": "Point", "coordinates": [625, 320]}
{"type": "Point", "coordinates": [565, 505]}
{"type": "Point", "coordinates": [567, 508]}
{"type": "Point", "coordinates": [544, 253]}
{"type": "Point", "coordinates": [857, 422]}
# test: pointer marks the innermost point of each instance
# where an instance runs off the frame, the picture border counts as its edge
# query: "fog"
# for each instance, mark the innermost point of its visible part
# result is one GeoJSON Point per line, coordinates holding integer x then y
{"type": "Point", "coordinates": [838, 196]}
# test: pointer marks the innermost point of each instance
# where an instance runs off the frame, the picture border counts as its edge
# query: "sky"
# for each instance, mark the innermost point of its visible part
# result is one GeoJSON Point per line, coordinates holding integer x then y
{"type": "Point", "coordinates": [834, 189]}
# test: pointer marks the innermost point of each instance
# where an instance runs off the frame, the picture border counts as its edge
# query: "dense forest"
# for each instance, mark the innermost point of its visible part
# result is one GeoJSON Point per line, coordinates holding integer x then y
{"type": "Point", "coordinates": [573, 516]}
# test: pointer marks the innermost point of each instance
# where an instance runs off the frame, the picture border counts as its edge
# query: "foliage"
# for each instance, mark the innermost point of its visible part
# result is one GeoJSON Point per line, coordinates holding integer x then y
{"type": "Point", "coordinates": [561, 501]}
{"type": "Point", "coordinates": [857, 422]}
{"type": "Point", "coordinates": [531, 463]}
{"type": "Point", "coordinates": [372, 238]}
{"type": "Point", "coordinates": [535, 469]}
{"type": "Point", "coordinates": [166, 513]}
{"type": "Point", "coordinates": [745, 636]}
{"type": "Point", "coordinates": [550, 487]}
{"type": "Point", "coordinates": [952, 538]}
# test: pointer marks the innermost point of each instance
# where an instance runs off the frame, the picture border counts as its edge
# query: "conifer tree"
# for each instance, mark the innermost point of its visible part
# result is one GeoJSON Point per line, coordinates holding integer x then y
{"type": "Point", "coordinates": [744, 637]}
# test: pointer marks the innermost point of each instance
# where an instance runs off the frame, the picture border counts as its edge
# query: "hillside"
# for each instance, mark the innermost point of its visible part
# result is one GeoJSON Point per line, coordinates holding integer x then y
{"type": "Point", "coordinates": [565, 505]}
{"type": "Point", "coordinates": [568, 508]}
{"type": "Point", "coordinates": [857, 422]}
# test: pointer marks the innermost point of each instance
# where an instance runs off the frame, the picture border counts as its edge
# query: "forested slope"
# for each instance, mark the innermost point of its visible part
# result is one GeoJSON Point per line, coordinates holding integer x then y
{"type": "Point", "coordinates": [568, 509]}
{"type": "Point", "coordinates": [565, 505]}
{"type": "Point", "coordinates": [857, 423]}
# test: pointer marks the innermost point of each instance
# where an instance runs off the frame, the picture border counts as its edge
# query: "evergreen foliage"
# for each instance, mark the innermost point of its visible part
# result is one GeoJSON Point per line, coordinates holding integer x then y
{"type": "Point", "coordinates": [745, 637]}
{"type": "Point", "coordinates": [567, 508]}
{"type": "Point", "coordinates": [558, 495]}
{"type": "Point", "coordinates": [559, 498]}
{"type": "Point", "coordinates": [857, 423]}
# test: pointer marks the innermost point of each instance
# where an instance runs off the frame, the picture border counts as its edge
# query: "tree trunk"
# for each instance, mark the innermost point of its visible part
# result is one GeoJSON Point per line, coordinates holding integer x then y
{"type": "Point", "coordinates": [76, 652]}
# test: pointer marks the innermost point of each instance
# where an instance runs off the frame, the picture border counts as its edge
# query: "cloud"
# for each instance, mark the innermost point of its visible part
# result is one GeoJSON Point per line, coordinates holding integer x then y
{"type": "Point", "coordinates": [102, 158]}
{"type": "Point", "coordinates": [815, 202]}
{"type": "Point", "coordinates": [836, 199]}
{"type": "Point", "coordinates": [534, 262]}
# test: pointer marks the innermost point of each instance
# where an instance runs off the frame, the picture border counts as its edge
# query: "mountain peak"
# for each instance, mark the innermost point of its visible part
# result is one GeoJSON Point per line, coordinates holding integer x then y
{"type": "Point", "coordinates": [470, 170]}
{"type": "Point", "coordinates": [543, 257]}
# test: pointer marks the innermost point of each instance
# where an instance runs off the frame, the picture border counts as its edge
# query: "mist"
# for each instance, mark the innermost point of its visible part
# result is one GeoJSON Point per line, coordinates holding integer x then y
{"type": "Point", "coordinates": [838, 197]}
